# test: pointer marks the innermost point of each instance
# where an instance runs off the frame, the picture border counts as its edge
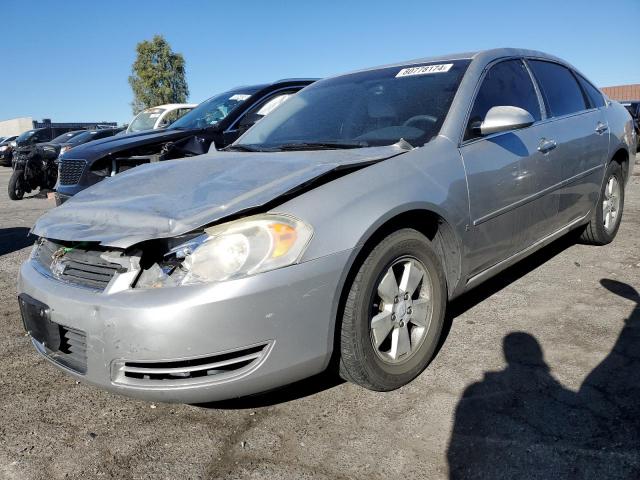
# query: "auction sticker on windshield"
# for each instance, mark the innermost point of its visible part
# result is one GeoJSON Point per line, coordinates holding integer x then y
{"type": "Point", "coordinates": [425, 69]}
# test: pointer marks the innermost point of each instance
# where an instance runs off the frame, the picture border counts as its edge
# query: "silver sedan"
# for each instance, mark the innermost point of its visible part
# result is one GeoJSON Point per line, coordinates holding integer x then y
{"type": "Point", "coordinates": [339, 226]}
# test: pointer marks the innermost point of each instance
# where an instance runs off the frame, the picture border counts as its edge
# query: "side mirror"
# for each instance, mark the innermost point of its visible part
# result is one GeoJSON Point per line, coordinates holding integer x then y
{"type": "Point", "coordinates": [504, 118]}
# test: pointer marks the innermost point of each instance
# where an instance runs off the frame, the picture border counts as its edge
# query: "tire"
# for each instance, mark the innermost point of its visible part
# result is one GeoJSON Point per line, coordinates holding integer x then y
{"type": "Point", "coordinates": [597, 232]}
{"type": "Point", "coordinates": [16, 188]}
{"type": "Point", "coordinates": [384, 367]}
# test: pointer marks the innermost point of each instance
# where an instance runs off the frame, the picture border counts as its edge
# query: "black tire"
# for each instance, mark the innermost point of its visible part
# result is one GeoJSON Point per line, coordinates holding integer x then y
{"type": "Point", "coordinates": [359, 361]}
{"type": "Point", "coordinates": [16, 188]}
{"type": "Point", "coordinates": [595, 232]}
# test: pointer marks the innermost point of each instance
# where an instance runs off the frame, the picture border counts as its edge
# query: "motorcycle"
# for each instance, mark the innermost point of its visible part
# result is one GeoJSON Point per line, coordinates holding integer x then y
{"type": "Point", "coordinates": [34, 167]}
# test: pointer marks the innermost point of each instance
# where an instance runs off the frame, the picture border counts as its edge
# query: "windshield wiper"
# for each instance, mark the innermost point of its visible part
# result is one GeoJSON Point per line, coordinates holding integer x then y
{"type": "Point", "coordinates": [244, 148]}
{"type": "Point", "coordinates": [320, 146]}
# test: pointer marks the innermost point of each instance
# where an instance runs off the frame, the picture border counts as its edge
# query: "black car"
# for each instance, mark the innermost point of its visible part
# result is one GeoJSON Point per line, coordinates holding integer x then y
{"type": "Point", "coordinates": [6, 150]}
{"type": "Point", "coordinates": [215, 123]}
{"type": "Point", "coordinates": [633, 106]}
{"type": "Point", "coordinates": [67, 141]}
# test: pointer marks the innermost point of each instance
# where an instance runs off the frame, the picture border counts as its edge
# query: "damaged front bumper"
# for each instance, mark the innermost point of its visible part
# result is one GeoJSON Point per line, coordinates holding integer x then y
{"type": "Point", "coordinates": [195, 343]}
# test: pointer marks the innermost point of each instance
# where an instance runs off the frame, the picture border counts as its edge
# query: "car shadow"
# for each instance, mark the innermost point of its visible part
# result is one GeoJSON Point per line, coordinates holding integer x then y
{"type": "Point", "coordinates": [15, 238]}
{"type": "Point", "coordinates": [505, 278]}
{"type": "Point", "coordinates": [294, 391]}
{"type": "Point", "coordinates": [522, 423]}
{"type": "Point", "coordinates": [330, 379]}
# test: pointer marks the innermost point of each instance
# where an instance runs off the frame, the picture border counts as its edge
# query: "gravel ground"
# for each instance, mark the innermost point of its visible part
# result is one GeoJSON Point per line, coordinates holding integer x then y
{"type": "Point", "coordinates": [539, 377]}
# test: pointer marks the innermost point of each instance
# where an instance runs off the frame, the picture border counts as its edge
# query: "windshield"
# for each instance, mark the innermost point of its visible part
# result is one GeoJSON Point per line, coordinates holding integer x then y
{"type": "Point", "coordinates": [213, 110]}
{"type": "Point", "coordinates": [376, 107]}
{"type": "Point", "coordinates": [145, 120]}
{"type": "Point", "coordinates": [65, 137]}
{"type": "Point", "coordinates": [25, 136]}
{"type": "Point", "coordinates": [84, 137]}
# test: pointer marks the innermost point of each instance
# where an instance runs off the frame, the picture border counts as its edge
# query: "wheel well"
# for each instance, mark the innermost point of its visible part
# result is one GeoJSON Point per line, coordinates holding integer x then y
{"type": "Point", "coordinates": [432, 226]}
{"type": "Point", "coordinates": [622, 157]}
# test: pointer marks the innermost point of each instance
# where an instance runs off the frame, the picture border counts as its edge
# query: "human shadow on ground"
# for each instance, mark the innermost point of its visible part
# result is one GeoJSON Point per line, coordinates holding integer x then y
{"type": "Point", "coordinates": [521, 423]}
{"type": "Point", "coordinates": [15, 238]}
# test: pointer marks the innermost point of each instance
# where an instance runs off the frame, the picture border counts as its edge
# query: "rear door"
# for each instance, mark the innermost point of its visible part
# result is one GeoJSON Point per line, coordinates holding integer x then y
{"type": "Point", "coordinates": [508, 176]}
{"type": "Point", "coordinates": [579, 127]}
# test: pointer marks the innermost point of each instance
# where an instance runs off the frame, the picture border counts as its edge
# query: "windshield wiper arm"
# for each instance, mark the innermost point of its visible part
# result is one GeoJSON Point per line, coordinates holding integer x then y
{"type": "Point", "coordinates": [320, 146]}
{"type": "Point", "coordinates": [243, 148]}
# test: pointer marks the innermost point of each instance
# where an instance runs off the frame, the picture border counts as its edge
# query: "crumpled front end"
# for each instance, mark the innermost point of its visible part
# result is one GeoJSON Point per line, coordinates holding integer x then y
{"type": "Point", "coordinates": [190, 344]}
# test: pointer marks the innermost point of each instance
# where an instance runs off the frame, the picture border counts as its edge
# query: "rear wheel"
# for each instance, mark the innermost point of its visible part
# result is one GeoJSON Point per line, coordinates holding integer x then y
{"type": "Point", "coordinates": [16, 185]}
{"type": "Point", "coordinates": [605, 221]}
{"type": "Point", "coordinates": [393, 314]}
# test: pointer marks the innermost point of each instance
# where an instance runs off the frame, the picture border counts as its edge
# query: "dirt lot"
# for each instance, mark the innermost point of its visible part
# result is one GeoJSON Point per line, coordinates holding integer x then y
{"type": "Point", "coordinates": [539, 377]}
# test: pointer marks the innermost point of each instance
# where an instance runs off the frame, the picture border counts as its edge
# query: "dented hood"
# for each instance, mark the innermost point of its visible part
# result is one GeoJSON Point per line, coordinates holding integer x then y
{"type": "Point", "coordinates": [175, 197]}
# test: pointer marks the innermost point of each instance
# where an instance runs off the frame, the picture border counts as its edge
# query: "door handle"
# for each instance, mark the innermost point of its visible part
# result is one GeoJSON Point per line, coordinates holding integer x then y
{"type": "Point", "coordinates": [546, 145]}
{"type": "Point", "coordinates": [601, 128]}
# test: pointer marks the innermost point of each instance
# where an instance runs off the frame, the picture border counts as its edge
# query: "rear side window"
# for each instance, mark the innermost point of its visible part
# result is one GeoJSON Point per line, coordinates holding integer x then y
{"type": "Point", "coordinates": [594, 95]}
{"type": "Point", "coordinates": [559, 87]}
{"type": "Point", "coordinates": [507, 83]}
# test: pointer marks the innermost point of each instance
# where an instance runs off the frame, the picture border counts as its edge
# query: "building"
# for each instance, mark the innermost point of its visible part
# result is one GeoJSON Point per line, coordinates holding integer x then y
{"type": "Point", "coordinates": [16, 126]}
{"type": "Point", "coordinates": [623, 92]}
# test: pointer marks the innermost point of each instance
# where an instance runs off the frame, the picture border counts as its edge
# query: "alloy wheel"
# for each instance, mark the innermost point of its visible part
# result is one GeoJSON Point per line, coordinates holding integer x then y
{"type": "Point", "coordinates": [401, 310]}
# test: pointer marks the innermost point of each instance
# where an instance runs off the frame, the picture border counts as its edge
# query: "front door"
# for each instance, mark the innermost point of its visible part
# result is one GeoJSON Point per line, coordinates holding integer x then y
{"type": "Point", "coordinates": [508, 173]}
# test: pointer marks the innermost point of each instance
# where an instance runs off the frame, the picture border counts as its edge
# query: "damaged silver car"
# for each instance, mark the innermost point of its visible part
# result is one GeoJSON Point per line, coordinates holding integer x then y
{"type": "Point", "coordinates": [337, 227]}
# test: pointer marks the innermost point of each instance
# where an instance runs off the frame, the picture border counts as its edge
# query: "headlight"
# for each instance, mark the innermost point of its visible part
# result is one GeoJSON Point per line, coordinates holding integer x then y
{"type": "Point", "coordinates": [235, 250]}
{"type": "Point", "coordinates": [3, 148]}
{"type": "Point", "coordinates": [64, 149]}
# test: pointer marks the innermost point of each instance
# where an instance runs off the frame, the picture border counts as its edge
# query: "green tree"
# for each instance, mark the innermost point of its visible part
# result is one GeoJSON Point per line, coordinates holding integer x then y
{"type": "Point", "coordinates": [157, 75]}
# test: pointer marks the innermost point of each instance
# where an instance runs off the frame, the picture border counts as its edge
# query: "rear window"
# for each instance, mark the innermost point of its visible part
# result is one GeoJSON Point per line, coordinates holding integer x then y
{"type": "Point", "coordinates": [560, 89]}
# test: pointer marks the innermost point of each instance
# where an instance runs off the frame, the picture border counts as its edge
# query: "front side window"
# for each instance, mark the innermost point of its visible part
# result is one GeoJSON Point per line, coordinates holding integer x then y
{"type": "Point", "coordinates": [595, 97]}
{"type": "Point", "coordinates": [374, 107]}
{"type": "Point", "coordinates": [559, 87]}
{"type": "Point", "coordinates": [507, 83]}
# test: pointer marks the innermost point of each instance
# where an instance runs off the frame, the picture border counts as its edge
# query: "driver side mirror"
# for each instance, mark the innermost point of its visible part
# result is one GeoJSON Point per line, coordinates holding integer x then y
{"type": "Point", "coordinates": [502, 119]}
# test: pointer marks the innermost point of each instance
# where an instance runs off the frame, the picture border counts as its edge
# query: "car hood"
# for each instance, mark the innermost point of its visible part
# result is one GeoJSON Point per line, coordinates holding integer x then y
{"type": "Point", "coordinates": [99, 148]}
{"type": "Point", "coordinates": [174, 197]}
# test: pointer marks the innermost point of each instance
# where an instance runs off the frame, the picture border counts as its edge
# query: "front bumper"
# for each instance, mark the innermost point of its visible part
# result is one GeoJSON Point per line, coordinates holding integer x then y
{"type": "Point", "coordinates": [288, 313]}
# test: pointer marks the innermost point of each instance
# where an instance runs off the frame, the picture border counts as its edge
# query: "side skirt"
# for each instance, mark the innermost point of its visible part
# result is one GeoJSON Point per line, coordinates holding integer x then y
{"type": "Point", "coordinates": [507, 262]}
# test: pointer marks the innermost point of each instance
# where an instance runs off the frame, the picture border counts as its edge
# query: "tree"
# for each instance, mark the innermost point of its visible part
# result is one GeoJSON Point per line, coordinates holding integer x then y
{"type": "Point", "coordinates": [158, 75]}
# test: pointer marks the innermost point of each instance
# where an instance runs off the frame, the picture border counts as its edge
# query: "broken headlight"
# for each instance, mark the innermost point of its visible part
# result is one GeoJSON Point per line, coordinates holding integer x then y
{"type": "Point", "coordinates": [233, 250]}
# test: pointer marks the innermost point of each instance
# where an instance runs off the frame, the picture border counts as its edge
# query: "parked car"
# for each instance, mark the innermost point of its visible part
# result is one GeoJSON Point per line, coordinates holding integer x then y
{"type": "Point", "coordinates": [215, 123]}
{"type": "Point", "coordinates": [6, 150]}
{"type": "Point", "coordinates": [633, 107]}
{"type": "Point", "coordinates": [338, 226]}
{"type": "Point", "coordinates": [85, 136]}
{"type": "Point", "coordinates": [159, 117]}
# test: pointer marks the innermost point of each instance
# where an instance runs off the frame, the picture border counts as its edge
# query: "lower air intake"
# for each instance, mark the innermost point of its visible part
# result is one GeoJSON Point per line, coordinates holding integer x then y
{"type": "Point", "coordinates": [191, 371]}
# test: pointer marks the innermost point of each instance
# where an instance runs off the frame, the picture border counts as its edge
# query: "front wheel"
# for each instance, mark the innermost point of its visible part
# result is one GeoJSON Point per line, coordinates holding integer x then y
{"type": "Point", "coordinates": [16, 185]}
{"type": "Point", "coordinates": [394, 313]}
{"type": "Point", "coordinates": [605, 221]}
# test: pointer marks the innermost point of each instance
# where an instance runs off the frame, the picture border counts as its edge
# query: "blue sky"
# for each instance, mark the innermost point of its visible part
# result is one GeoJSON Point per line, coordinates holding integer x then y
{"type": "Point", "coordinates": [69, 61]}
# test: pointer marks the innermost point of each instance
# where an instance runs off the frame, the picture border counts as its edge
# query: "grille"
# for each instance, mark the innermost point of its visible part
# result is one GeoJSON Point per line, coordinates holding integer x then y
{"type": "Point", "coordinates": [198, 370]}
{"type": "Point", "coordinates": [77, 266]}
{"type": "Point", "coordinates": [71, 171]}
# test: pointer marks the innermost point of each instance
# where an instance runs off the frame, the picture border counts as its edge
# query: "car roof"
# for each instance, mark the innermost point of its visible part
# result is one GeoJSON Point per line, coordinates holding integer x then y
{"type": "Point", "coordinates": [169, 106]}
{"type": "Point", "coordinates": [479, 55]}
